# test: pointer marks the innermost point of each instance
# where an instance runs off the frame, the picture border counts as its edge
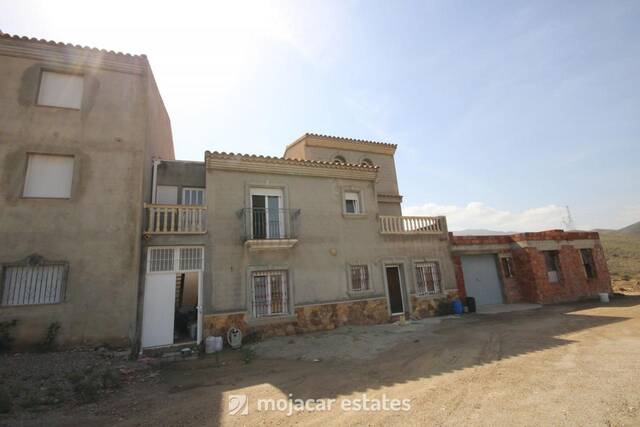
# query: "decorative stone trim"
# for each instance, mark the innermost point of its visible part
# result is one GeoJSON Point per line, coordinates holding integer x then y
{"type": "Point", "coordinates": [389, 198]}
{"type": "Point", "coordinates": [279, 165]}
{"type": "Point", "coordinates": [328, 141]}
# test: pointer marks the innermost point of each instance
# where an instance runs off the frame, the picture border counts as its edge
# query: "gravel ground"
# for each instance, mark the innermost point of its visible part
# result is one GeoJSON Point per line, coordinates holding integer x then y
{"type": "Point", "coordinates": [569, 364]}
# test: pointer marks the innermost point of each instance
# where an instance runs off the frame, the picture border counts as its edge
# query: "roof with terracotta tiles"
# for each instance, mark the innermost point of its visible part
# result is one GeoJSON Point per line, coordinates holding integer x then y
{"type": "Point", "coordinates": [4, 35]}
{"type": "Point", "coordinates": [285, 161]}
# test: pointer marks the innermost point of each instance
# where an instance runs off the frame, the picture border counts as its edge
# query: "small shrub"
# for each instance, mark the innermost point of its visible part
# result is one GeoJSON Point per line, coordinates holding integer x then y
{"type": "Point", "coordinates": [6, 339]}
{"type": "Point", "coordinates": [5, 402]}
{"type": "Point", "coordinates": [88, 385]}
{"type": "Point", "coordinates": [49, 341]}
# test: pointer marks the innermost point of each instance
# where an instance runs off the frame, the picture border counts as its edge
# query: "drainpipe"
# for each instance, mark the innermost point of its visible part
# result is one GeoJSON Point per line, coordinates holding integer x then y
{"type": "Point", "coordinates": [154, 179]}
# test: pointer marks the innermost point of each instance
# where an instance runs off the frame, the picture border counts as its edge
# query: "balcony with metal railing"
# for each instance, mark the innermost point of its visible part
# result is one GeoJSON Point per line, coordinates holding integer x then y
{"type": "Point", "coordinates": [175, 219]}
{"type": "Point", "coordinates": [267, 228]}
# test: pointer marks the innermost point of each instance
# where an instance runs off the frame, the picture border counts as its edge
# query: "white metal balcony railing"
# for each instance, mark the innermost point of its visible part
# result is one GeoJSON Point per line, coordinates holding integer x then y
{"type": "Point", "coordinates": [175, 219]}
{"type": "Point", "coordinates": [413, 224]}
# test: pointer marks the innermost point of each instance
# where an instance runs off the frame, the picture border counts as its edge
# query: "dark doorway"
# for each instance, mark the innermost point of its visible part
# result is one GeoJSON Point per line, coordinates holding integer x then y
{"type": "Point", "coordinates": [395, 291]}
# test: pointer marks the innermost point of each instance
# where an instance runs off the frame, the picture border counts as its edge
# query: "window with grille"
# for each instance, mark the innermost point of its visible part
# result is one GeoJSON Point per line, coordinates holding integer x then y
{"type": "Point", "coordinates": [190, 259]}
{"type": "Point", "coordinates": [507, 266]}
{"type": "Point", "coordinates": [359, 278]}
{"type": "Point", "coordinates": [588, 263]}
{"type": "Point", "coordinates": [270, 293]}
{"type": "Point", "coordinates": [427, 278]}
{"type": "Point", "coordinates": [41, 283]}
{"type": "Point", "coordinates": [161, 259]}
{"type": "Point", "coordinates": [175, 259]}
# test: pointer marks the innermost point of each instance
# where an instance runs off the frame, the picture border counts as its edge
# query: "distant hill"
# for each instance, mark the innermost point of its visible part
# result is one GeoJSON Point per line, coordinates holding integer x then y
{"type": "Point", "coordinates": [481, 232]}
{"type": "Point", "coordinates": [633, 229]}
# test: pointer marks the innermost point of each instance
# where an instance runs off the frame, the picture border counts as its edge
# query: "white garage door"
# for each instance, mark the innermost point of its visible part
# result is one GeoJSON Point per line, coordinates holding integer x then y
{"type": "Point", "coordinates": [481, 279]}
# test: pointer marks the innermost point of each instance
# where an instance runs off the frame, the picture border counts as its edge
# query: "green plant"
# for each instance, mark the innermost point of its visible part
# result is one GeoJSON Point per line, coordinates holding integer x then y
{"type": "Point", "coordinates": [49, 340]}
{"type": "Point", "coordinates": [6, 339]}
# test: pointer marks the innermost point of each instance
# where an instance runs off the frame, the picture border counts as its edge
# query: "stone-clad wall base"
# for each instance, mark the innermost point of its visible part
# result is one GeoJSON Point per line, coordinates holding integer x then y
{"type": "Point", "coordinates": [322, 317]}
{"type": "Point", "coordinates": [422, 307]}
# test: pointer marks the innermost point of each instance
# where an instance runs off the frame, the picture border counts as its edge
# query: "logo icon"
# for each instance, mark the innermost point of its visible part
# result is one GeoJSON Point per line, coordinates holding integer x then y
{"type": "Point", "coordinates": [238, 404]}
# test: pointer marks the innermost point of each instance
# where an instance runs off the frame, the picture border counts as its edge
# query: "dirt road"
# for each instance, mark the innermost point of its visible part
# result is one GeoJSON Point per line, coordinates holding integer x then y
{"type": "Point", "coordinates": [559, 365]}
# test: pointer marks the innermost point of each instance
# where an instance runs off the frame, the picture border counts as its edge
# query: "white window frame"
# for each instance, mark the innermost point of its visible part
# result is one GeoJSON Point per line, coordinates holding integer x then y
{"type": "Point", "coordinates": [422, 275]}
{"type": "Point", "coordinates": [32, 188]}
{"type": "Point", "coordinates": [284, 283]}
{"type": "Point", "coordinates": [190, 191]}
{"type": "Point", "coordinates": [354, 196]}
{"type": "Point", "coordinates": [269, 192]}
{"type": "Point", "coordinates": [57, 101]}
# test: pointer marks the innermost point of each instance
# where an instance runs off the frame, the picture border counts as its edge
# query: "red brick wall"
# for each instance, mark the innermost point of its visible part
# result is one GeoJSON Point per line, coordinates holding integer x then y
{"type": "Point", "coordinates": [530, 282]}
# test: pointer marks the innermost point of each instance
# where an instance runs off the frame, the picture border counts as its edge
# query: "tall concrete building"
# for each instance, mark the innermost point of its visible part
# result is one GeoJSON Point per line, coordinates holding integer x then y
{"type": "Point", "coordinates": [78, 130]}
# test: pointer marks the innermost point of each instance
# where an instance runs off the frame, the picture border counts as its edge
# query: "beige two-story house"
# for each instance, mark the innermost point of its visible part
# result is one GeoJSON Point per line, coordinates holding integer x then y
{"type": "Point", "coordinates": [308, 241]}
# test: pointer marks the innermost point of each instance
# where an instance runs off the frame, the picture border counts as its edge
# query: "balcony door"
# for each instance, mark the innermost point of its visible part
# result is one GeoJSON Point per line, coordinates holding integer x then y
{"type": "Point", "coordinates": [267, 218]}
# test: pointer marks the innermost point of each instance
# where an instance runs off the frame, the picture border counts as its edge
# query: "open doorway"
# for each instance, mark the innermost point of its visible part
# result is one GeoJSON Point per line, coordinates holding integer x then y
{"type": "Point", "coordinates": [185, 320]}
{"type": "Point", "coordinates": [394, 289]}
{"type": "Point", "coordinates": [171, 312]}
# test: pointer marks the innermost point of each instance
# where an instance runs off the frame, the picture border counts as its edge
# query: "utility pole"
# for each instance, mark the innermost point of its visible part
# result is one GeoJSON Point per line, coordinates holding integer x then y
{"type": "Point", "coordinates": [567, 221]}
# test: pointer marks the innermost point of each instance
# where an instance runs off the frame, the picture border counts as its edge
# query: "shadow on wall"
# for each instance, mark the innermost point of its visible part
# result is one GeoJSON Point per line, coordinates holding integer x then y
{"type": "Point", "coordinates": [454, 345]}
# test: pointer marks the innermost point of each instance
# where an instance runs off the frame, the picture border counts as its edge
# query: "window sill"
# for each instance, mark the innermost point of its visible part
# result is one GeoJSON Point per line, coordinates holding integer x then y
{"type": "Point", "coordinates": [357, 294]}
{"type": "Point", "coordinates": [354, 215]}
{"type": "Point", "coordinates": [430, 296]}
{"type": "Point", "coordinates": [267, 320]}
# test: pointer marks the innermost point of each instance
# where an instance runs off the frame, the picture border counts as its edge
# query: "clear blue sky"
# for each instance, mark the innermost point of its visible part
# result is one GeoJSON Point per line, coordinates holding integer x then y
{"type": "Point", "coordinates": [504, 111]}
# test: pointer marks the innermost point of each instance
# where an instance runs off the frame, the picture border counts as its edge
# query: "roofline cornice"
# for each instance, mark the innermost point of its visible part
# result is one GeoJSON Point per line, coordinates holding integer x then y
{"type": "Point", "coordinates": [338, 142]}
{"type": "Point", "coordinates": [70, 55]}
{"type": "Point", "coordinates": [280, 166]}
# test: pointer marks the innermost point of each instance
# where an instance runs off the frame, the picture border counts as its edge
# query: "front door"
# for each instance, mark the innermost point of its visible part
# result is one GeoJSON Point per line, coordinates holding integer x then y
{"type": "Point", "coordinates": [395, 289]}
{"type": "Point", "coordinates": [159, 309]}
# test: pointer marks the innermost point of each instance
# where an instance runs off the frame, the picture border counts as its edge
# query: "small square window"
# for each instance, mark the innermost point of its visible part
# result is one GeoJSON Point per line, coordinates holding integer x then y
{"type": "Point", "coordinates": [359, 278]}
{"type": "Point", "coordinates": [193, 196]}
{"type": "Point", "coordinates": [552, 262]}
{"type": "Point", "coordinates": [588, 263]}
{"type": "Point", "coordinates": [61, 90]}
{"type": "Point", "coordinates": [48, 176]}
{"type": "Point", "coordinates": [507, 266]}
{"type": "Point", "coordinates": [352, 203]}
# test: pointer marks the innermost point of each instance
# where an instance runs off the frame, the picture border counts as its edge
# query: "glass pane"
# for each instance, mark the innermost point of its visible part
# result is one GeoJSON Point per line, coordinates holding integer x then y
{"type": "Point", "coordinates": [274, 217]}
{"type": "Point", "coordinates": [260, 297]}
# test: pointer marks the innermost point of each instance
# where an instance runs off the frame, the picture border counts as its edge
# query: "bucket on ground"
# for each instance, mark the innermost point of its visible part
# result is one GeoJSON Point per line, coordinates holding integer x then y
{"type": "Point", "coordinates": [457, 306]}
{"type": "Point", "coordinates": [471, 303]}
{"type": "Point", "coordinates": [604, 297]}
{"type": "Point", "coordinates": [212, 344]}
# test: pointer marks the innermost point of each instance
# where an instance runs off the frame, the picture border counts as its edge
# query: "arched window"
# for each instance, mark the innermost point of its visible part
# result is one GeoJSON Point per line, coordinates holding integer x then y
{"type": "Point", "coordinates": [366, 162]}
{"type": "Point", "coordinates": [339, 159]}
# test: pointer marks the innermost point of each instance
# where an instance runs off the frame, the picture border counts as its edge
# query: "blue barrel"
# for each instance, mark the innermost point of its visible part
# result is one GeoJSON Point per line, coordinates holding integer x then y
{"type": "Point", "coordinates": [457, 306]}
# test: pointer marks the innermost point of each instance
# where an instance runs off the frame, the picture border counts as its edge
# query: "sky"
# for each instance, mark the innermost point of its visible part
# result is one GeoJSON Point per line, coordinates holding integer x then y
{"type": "Point", "coordinates": [504, 112]}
